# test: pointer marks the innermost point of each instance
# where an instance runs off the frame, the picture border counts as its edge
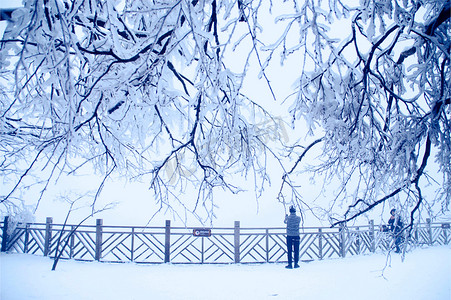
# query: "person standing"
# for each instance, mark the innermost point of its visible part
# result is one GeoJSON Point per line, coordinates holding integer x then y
{"type": "Point", "coordinates": [395, 226]}
{"type": "Point", "coordinates": [292, 222]}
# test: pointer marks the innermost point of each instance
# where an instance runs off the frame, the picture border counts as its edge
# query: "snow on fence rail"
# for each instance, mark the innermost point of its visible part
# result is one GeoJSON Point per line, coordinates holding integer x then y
{"type": "Point", "coordinates": [203, 245]}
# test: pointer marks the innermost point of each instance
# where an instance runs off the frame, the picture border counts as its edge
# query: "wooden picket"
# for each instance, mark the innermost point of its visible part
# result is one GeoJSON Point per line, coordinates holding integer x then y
{"type": "Point", "coordinates": [222, 245]}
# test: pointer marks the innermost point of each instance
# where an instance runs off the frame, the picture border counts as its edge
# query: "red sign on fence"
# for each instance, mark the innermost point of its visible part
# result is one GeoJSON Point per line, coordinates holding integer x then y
{"type": "Point", "coordinates": [204, 232]}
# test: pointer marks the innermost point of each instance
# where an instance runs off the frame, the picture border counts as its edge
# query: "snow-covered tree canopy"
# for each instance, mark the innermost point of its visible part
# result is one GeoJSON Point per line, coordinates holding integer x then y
{"type": "Point", "coordinates": [381, 95]}
{"type": "Point", "coordinates": [146, 88]}
{"type": "Point", "coordinates": [137, 87]}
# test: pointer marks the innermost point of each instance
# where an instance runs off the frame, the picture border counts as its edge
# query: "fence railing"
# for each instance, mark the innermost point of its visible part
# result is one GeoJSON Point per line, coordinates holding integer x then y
{"type": "Point", "coordinates": [203, 245]}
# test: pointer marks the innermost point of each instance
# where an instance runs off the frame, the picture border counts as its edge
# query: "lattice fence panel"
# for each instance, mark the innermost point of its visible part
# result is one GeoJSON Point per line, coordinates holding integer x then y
{"type": "Point", "coordinates": [365, 242]}
{"type": "Point", "coordinates": [83, 245]}
{"type": "Point", "coordinates": [17, 241]}
{"type": "Point", "coordinates": [148, 247]}
{"type": "Point", "coordinates": [116, 247]}
{"type": "Point", "coordinates": [331, 245]}
{"type": "Point", "coordinates": [64, 245]}
{"type": "Point", "coordinates": [253, 248]}
{"type": "Point", "coordinates": [422, 236]}
{"type": "Point", "coordinates": [218, 249]}
{"type": "Point", "coordinates": [186, 249]}
{"type": "Point", "coordinates": [309, 246]}
{"type": "Point", "coordinates": [36, 240]}
{"type": "Point", "coordinates": [357, 241]}
{"type": "Point", "coordinates": [383, 241]}
{"type": "Point", "coordinates": [444, 237]}
{"type": "Point", "coordinates": [436, 234]}
{"type": "Point", "coordinates": [352, 242]}
{"type": "Point", "coordinates": [277, 246]}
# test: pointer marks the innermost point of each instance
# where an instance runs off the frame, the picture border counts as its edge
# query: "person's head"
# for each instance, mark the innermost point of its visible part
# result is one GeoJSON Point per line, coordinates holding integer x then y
{"type": "Point", "coordinates": [292, 210]}
{"type": "Point", "coordinates": [393, 211]}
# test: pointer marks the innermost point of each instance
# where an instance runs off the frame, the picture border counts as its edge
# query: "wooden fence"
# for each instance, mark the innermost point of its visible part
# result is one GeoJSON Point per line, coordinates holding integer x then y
{"type": "Point", "coordinates": [204, 245]}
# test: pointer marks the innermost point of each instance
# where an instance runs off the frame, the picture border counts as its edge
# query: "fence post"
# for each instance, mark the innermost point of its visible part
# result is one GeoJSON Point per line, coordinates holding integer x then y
{"type": "Point", "coordinates": [5, 234]}
{"type": "Point", "coordinates": [429, 228]}
{"type": "Point", "coordinates": [48, 235]}
{"type": "Point", "coordinates": [27, 232]}
{"type": "Point", "coordinates": [72, 241]}
{"type": "Point", "coordinates": [267, 244]}
{"type": "Point", "coordinates": [320, 242]}
{"type": "Point", "coordinates": [372, 237]}
{"type": "Point", "coordinates": [132, 255]}
{"type": "Point", "coordinates": [167, 242]}
{"type": "Point", "coordinates": [237, 241]}
{"type": "Point", "coordinates": [342, 240]}
{"type": "Point", "coordinates": [99, 229]}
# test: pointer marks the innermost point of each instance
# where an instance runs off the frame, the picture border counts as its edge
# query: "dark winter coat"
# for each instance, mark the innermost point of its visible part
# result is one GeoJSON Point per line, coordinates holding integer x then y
{"type": "Point", "coordinates": [395, 224]}
{"type": "Point", "coordinates": [292, 222]}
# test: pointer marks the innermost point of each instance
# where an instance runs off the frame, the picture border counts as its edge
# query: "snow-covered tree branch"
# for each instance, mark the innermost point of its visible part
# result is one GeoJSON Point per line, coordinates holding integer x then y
{"type": "Point", "coordinates": [381, 98]}
{"type": "Point", "coordinates": [136, 87]}
{"type": "Point", "coordinates": [146, 89]}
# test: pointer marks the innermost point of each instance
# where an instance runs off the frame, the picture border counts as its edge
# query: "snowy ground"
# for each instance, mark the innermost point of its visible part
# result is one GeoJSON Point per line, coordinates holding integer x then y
{"type": "Point", "coordinates": [424, 274]}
